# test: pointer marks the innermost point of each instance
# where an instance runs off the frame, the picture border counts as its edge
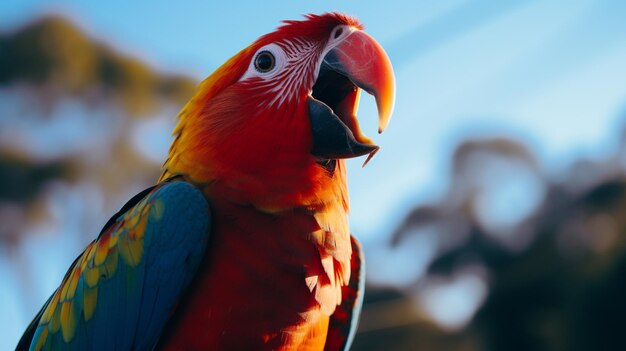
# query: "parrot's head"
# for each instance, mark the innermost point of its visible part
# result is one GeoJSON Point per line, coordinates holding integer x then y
{"type": "Point", "coordinates": [272, 124]}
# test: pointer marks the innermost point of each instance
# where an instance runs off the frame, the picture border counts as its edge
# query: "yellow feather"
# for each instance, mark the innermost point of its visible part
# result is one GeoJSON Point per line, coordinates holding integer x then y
{"type": "Point", "coordinates": [55, 319]}
{"type": "Point", "coordinates": [110, 265]}
{"type": "Point", "coordinates": [68, 320]}
{"type": "Point", "coordinates": [113, 239]}
{"type": "Point", "coordinates": [92, 276]}
{"type": "Point", "coordinates": [89, 252]}
{"type": "Point", "coordinates": [64, 287]}
{"type": "Point", "coordinates": [139, 229]}
{"type": "Point", "coordinates": [101, 253]}
{"type": "Point", "coordinates": [65, 310]}
{"type": "Point", "coordinates": [90, 299]}
{"type": "Point", "coordinates": [136, 247]}
{"type": "Point", "coordinates": [131, 250]}
{"type": "Point", "coordinates": [72, 284]}
{"type": "Point", "coordinates": [47, 314]}
{"type": "Point", "coordinates": [131, 221]}
{"type": "Point", "coordinates": [42, 339]}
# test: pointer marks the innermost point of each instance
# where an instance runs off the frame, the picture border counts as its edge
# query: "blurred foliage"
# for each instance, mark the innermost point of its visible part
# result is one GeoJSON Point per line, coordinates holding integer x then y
{"type": "Point", "coordinates": [47, 68]}
{"type": "Point", "coordinates": [556, 278]}
{"type": "Point", "coordinates": [22, 179]}
{"type": "Point", "coordinates": [52, 53]}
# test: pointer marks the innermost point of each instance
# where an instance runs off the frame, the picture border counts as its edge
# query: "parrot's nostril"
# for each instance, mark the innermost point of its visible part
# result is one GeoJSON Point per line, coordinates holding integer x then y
{"type": "Point", "coordinates": [338, 33]}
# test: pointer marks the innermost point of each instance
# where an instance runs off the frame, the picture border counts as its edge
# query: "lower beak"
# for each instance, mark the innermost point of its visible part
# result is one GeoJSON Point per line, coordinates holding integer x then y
{"type": "Point", "coordinates": [358, 62]}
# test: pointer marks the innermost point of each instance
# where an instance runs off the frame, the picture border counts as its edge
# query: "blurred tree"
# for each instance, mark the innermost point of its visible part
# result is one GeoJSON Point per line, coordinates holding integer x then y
{"type": "Point", "coordinates": [59, 60]}
{"type": "Point", "coordinates": [21, 179]}
{"type": "Point", "coordinates": [57, 82]}
{"type": "Point", "coordinates": [560, 289]}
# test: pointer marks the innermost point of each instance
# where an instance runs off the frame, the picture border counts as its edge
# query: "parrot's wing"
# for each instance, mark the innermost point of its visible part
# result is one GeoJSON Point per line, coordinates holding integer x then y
{"type": "Point", "coordinates": [343, 323]}
{"type": "Point", "coordinates": [121, 290]}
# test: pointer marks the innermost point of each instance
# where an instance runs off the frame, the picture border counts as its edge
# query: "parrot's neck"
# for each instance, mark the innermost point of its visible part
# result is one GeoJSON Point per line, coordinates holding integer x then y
{"type": "Point", "coordinates": [325, 209]}
{"type": "Point", "coordinates": [259, 169]}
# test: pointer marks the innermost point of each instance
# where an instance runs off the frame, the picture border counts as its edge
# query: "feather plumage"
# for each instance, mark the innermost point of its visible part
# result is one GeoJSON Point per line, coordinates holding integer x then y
{"type": "Point", "coordinates": [120, 292]}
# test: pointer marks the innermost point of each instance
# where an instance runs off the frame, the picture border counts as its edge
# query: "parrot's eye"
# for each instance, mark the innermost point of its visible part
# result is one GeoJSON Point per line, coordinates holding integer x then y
{"type": "Point", "coordinates": [264, 61]}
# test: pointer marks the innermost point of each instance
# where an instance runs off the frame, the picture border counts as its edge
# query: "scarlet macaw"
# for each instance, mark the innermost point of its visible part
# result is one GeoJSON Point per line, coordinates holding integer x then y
{"type": "Point", "coordinates": [244, 243]}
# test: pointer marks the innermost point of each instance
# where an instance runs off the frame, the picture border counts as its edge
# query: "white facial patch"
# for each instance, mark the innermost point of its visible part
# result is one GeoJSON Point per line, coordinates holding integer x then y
{"type": "Point", "coordinates": [296, 64]}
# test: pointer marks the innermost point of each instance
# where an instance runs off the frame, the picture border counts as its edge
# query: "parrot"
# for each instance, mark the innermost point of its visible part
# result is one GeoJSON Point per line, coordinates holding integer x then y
{"type": "Point", "coordinates": [243, 243]}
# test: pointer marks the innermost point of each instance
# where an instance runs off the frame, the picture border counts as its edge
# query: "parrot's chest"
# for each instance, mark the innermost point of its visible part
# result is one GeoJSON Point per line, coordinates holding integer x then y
{"type": "Point", "coordinates": [250, 292]}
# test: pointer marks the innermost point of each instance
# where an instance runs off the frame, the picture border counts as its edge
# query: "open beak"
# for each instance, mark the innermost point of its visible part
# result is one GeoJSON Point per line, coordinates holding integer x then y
{"type": "Point", "coordinates": [358, 62]}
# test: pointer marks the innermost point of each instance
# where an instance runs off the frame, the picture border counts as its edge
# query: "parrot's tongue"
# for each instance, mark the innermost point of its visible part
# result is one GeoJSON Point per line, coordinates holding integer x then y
{"type": "Point", "coordinates": [339, 94]}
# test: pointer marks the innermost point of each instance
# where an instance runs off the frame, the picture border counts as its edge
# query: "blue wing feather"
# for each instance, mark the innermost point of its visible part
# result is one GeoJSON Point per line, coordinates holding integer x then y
{"type": "Point", "coordinates": [120, 292]}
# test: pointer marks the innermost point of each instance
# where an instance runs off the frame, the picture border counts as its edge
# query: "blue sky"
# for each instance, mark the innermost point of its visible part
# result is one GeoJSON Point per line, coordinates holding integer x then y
{"type": "Point", "coordinates": [552, 73]}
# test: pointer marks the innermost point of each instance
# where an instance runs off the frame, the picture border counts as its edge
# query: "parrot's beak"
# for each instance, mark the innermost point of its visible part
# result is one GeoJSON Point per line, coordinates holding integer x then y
{"type": "Point", "coordinates": [358, 62]}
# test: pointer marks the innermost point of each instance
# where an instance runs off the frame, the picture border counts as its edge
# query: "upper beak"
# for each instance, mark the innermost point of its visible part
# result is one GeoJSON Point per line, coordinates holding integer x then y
{"type": "Point", "coordinates": [357, 62]}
